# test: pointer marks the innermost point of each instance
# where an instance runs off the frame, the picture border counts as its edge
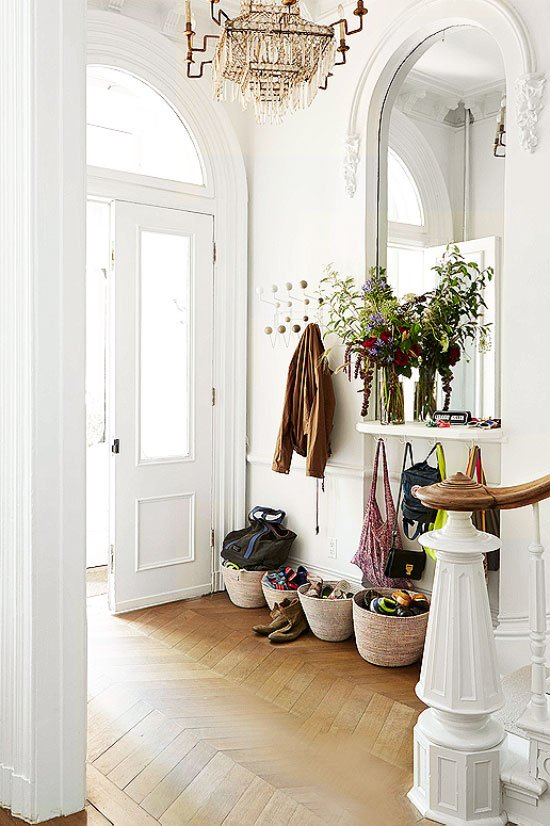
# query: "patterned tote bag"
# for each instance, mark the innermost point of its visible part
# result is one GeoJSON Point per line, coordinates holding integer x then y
{"type": "Point", "coordinates": [376, 535]}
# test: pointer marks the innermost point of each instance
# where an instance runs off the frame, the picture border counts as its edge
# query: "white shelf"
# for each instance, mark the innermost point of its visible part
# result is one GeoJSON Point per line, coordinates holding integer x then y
{"type": "Point", "coordinates": [418, 430]}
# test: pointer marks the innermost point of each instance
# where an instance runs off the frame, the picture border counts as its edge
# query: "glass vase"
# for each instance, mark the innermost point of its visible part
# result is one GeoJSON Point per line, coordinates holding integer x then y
{"type": "Point", "coordinates": [390, 397]}
{"type": "Point", "coordinates": [425, 397]}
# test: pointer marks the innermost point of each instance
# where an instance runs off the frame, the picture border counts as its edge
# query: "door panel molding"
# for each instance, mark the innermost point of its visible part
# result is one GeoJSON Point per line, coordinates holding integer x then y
{"type": "Point", "coordinates": [166, 563]}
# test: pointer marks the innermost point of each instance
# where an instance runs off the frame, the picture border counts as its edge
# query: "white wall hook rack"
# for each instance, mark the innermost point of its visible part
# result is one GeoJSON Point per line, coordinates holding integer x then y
{"type": "Point", "coordinates": [293, 309]}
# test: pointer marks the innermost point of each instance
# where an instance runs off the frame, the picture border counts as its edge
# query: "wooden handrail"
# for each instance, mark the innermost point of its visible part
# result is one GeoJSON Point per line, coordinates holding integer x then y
{"type": "Point", "coordinates": [460, 493]}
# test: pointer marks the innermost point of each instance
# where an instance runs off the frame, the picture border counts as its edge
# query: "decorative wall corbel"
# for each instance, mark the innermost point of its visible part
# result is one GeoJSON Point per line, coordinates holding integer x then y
{"type": "Point", "coordinates": [351, 162]}
{"type": "Point", "coordinates": [529, 93]}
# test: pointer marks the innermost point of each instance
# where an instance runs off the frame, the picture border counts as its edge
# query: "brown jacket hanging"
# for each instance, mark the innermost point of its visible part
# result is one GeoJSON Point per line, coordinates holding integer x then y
{"type": "Point", "coordinates": [308, 412]}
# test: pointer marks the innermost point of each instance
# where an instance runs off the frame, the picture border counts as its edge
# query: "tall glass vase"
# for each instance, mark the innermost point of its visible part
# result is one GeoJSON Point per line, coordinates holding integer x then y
{"type": "Point", "coordinates": [390, 397]}
{"type": "Point", "coordinates": [425, 397]}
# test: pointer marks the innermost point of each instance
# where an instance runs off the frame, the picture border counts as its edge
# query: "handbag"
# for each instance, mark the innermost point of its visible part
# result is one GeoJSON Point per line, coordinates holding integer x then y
{"type": "Point", "coordinates": [487, 521]}
{"type": "Point", "coordinates": [264, 545]}
{"type": "Point", "coordinates": [376, 535]}
{"type": "Point", "coordinates": [441, 517]}
{"type": "Point", "coordinates": [416, 515]}
{"type": "Point", "coordinates": [402, 562]}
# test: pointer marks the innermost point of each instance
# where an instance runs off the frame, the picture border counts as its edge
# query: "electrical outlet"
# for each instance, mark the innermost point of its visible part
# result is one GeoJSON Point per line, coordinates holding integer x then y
{"type": "Point", "coordinates": [333, 547]}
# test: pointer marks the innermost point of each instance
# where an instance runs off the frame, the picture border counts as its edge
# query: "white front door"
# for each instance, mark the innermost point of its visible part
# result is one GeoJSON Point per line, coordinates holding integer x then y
{"type": "Point", "coordinates": [162, 405]}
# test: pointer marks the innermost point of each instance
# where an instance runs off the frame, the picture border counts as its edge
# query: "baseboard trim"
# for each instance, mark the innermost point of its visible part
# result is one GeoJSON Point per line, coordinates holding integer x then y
{"type": "Point", "coordinates": [124, 606]}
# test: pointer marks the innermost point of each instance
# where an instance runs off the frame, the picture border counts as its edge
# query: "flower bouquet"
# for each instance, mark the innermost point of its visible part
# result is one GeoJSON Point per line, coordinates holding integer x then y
{"type": "Point", "coordinates": [378, 334]}
{"type": "Point", "coordinates": [384, 336]}
{"type": "Point", "coordinates": [450, 317]}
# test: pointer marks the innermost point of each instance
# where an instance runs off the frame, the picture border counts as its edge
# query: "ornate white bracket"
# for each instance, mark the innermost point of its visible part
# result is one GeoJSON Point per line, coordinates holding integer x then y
{"type": "Point", "coordinates": [529, 93]}
{"type": "Point", "coordinates": [351, 162]}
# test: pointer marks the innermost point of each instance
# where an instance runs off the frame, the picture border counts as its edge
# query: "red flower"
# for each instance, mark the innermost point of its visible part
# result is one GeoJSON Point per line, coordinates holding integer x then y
{"type": "Point", "coordinates": [454, 355]}
{"type": "Point", "coordinates": [416, 350]}
{"type": "Point", "coordinates": [385, 336]}
{"type": "Point", "coordinates": [369, 342]}
{"type": "Point", "coordinates": [401, 358]}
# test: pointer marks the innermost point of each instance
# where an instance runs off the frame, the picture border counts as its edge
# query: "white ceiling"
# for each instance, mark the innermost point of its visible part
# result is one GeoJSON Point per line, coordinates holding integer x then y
{"type": "Point", "coordinates": [467, 60]}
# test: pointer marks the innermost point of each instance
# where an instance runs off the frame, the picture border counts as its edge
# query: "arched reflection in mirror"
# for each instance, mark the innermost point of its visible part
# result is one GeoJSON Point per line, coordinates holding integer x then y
{"type": "Point", "coordinates": [442, 182]}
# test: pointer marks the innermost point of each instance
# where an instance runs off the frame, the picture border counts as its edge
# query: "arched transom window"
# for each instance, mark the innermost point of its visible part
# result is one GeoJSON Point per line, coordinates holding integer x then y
{"type": "Point", "coordinates": [132, 128]}
{"type": "Point", "coordinates": [404, 202]}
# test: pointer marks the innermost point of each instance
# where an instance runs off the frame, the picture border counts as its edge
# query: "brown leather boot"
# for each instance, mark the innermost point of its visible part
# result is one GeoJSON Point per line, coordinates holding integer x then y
{"type": "Point", "coordinates": [295, 622]}
{"type": "Point", "coordinates": [277, 621]}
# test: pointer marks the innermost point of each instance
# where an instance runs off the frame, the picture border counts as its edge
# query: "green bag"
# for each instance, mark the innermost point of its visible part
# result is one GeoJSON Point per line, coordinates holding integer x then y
{"type": "Point", "coordinates": [441, 517]}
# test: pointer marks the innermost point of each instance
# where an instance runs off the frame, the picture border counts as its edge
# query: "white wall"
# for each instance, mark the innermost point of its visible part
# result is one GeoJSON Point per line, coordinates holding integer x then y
{"type": "Point", "coordinates": [487, 175]}
{"type": "Point", "coordinates": [447, 144]}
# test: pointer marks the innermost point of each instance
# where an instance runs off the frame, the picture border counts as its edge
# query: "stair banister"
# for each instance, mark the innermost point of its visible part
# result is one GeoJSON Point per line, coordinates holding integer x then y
{"type": "Point", "coordinates": [538, 710]}
{"type": "Point", "coordinates": [458, 742]}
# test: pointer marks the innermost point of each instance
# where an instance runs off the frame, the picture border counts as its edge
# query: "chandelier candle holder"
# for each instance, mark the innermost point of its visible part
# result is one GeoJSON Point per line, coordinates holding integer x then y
{"type": "Point", "coordinates": [269, 55]}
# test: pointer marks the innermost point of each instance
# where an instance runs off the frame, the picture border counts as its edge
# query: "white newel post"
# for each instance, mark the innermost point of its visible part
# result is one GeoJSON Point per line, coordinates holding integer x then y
{"type": "Point", "coordinates": [457, 742]}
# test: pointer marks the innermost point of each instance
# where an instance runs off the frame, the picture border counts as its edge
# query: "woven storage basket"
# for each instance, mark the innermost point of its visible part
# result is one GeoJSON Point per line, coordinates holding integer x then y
{"type": "Point", "coordinates": [273, 596]}
{"type": "Point", "coordinates": [329, 619]}
{"type": "Point", "coordinates": [388, 641]}
{"type": "Point", "coordinates": [244, 587]}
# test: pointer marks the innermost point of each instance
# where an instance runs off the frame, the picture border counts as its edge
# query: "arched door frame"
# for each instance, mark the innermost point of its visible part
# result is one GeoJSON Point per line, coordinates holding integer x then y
{"type": "Point", "coordinates": [133, 47]}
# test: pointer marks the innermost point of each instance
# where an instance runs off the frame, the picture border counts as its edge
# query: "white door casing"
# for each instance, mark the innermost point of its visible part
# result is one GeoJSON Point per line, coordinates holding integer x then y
{"type": "Point", "coordinates": [162, 405]}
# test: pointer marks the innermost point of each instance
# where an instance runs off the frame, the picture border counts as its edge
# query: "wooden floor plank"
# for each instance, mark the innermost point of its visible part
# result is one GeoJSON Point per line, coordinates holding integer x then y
{"type": "Point", "coordinates": [160, 766]}
{"type": "Point", "coordinates": [113, 803]}
{"type": "Point", "coordinates": [176, 781]}
{"type": "Point", "coordinates": [197, 793]}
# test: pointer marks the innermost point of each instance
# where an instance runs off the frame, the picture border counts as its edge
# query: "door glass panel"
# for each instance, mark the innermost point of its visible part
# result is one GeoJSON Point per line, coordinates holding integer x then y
{"type": "Point", "coordinates": [166, 401]}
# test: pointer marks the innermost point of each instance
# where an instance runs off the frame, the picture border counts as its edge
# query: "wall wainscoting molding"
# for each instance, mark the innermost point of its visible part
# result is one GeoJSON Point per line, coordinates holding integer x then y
{"type": "Point", "coordinates": [298, 463]}
{"type": "Point", "coordinates": [529, 102]}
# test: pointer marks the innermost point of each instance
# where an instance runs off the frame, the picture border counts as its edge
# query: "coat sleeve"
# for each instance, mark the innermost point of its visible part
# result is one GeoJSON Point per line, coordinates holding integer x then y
{"type": "Point", "coordinates": [283, 449]}
{"type": "Point", "coordinates": [321, 419]}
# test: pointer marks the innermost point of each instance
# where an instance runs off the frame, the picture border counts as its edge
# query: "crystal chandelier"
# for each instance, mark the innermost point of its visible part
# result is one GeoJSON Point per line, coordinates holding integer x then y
{"type": "Point", "coordinates": [269, 55]}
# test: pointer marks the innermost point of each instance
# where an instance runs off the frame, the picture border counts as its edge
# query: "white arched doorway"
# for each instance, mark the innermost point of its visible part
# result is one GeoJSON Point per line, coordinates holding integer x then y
{"type": "Point", "coordinates": [209, 193]}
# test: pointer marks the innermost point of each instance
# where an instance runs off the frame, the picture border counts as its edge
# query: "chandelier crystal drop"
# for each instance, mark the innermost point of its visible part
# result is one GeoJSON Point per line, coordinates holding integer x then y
{"type": "Point", "coordinates": [270, 56]}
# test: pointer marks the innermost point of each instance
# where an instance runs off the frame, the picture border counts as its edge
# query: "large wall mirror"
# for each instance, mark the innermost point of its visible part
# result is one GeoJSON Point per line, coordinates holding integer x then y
{"type": "Point", "coordinates": [441, 182]}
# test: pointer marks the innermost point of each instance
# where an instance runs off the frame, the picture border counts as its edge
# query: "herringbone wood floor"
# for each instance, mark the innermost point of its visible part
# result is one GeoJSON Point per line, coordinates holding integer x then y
{"type": "Point", "coordinates": [193, 719]}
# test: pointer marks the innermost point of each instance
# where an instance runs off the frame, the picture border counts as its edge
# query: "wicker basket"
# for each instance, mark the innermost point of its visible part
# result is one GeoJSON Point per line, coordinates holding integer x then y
{"type": "Point", "coordinates": [273, 596]}
{"type": "Point", "coordinates": [388, 641]}
{"type": "Point", "coordinates": [244, 587]}
{"type": "Point", "coordinates": [329, 619]}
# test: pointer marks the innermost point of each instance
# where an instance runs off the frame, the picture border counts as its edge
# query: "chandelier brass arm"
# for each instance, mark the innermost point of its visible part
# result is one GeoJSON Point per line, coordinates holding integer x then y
{"type": "Point", "coordinates": [359, 11]}
{"type": "Point", "coordinates": [221, 13]}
